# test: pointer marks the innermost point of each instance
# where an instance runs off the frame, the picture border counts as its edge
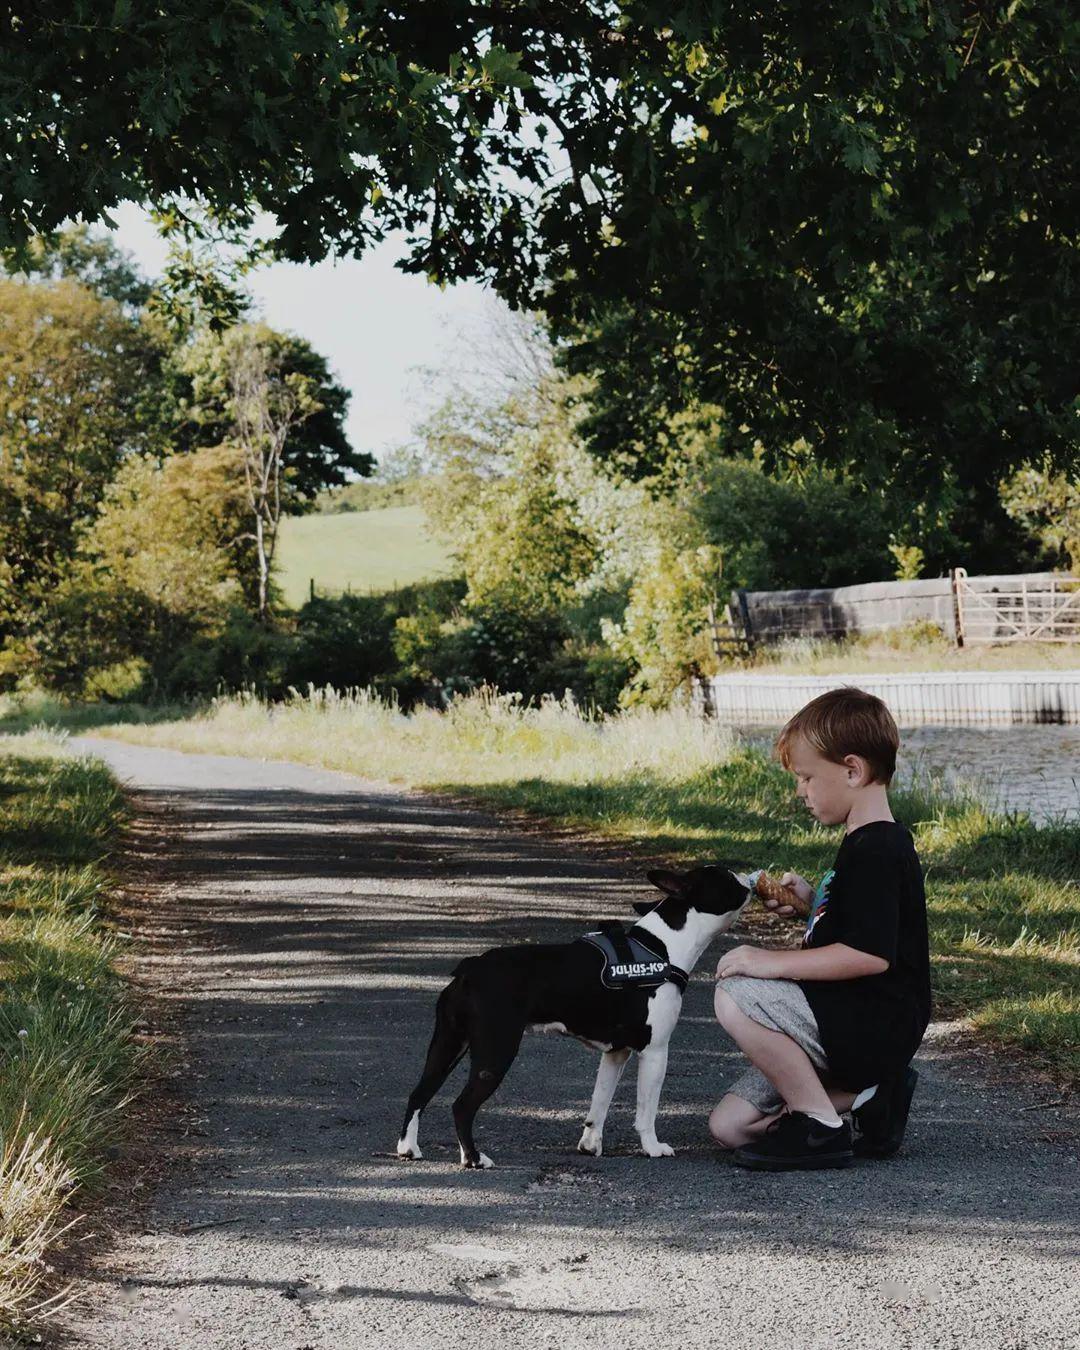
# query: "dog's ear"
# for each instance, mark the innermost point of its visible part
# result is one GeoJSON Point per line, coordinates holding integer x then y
{"type": "Point", "coordinates": [643, 906]}
{"type": "Point", "coordinates": [671, 883]}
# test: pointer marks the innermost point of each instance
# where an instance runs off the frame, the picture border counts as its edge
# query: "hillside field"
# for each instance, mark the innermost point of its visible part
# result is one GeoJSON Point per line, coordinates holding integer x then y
{"type": "Point", "coordinates": [359, 550]}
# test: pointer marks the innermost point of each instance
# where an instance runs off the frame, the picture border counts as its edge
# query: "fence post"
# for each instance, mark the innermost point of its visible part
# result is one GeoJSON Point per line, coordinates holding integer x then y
{"type": "Point", "coordinates": [958, 621]}
{"type": "Point", "coordinates": [711, 611]}
{"type": "Point", "coordinates": [744, 614]}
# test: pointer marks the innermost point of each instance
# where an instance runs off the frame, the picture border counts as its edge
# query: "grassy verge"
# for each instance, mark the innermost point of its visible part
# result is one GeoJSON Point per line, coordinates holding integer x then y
{"type": "Point", "coordinates": [66, 1052]}
{"type": "Point", "coordinates": [902, 651]}
{"type": "Point", "coordinates": [37, 712]}
{"type": "Point", "coordinates": [1004, 898]}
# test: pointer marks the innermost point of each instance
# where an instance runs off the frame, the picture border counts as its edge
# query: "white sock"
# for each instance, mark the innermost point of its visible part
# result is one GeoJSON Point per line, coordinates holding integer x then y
{"type": "Point", "coordinates": [832, 1124]}
{"type": "Point", "coordinates": [863, 1097]}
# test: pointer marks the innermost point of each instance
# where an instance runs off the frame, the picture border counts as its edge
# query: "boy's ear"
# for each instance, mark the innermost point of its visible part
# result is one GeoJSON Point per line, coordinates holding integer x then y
{"type": "Point", "coordinates": [671, 883]}
{"type": "Point", "coordinates": [643, 906]}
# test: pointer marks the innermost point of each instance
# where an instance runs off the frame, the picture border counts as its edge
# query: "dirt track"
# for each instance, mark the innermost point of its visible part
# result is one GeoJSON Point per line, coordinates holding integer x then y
{"type": "Point", "coordinates": [308, 920]}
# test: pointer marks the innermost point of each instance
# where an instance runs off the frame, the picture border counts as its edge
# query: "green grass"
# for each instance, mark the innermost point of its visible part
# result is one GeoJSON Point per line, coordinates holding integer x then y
{"type": "Point", "coordinates": [363, 551]}
{"type": "Point", "coordinates": [20, 713]}
{"type": "Point", "coordinates": [67, 1058]}
{"type": "Point", "coordinates": [1003, 895]}
{"type": "Point", "coordinates": [917, 647]}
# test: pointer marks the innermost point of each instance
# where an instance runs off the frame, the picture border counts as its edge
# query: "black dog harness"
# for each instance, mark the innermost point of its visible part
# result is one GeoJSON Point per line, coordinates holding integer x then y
{"type": "Point", "coordinates": [630, 961]}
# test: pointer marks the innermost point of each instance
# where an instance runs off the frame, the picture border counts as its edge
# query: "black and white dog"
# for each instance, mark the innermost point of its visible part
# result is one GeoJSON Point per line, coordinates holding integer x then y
{"type": "Point", "coordinates": [573, 989]}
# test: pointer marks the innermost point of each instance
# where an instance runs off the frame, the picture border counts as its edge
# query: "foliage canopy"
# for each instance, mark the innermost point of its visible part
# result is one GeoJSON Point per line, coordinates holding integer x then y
{"type": "Point", "coordinates": [851, 222]}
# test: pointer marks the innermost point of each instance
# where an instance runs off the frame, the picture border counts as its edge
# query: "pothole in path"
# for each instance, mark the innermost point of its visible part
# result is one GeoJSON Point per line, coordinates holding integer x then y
{"type": "Point", "coordinates": [560, 1286]}
{"type": "Point", "coordinates": [552, 1180]}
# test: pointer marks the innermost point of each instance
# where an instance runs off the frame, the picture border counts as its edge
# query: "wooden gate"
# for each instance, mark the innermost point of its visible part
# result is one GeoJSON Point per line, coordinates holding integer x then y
{"type": "Point", "coordinates": [1016, 611]}
{"type": "Point", "coordinates": [731, 632]}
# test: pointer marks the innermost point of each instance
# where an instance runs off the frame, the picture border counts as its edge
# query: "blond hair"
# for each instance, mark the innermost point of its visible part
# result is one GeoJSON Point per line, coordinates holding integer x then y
{"type": "Point", "coordinates": [845, 721]}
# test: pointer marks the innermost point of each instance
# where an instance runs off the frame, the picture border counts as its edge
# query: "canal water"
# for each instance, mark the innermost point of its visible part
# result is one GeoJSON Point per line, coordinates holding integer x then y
{"type": "Point", "coordinates": [1025, 768]}
{"type": "Point", "coordinates": [1021, 768]}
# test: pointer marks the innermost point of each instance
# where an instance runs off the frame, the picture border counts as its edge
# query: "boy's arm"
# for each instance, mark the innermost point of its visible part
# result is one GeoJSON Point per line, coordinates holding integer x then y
{"type": "Point", "coordinates": [835, 961]}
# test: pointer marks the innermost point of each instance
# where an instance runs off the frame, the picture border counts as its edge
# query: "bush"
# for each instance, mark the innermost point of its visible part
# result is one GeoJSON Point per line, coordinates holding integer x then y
{"type": "Point", "coordinates": [663, 636]}
{"type": "Point", "coordinates": [776, 533]}
{"type": "Point", "coordinates": [346, 642]}
{"type": "Point", "coordinates": [593, 675]}
{"type": "Point", "coordinates": [245, 654]}
{"type": "Point", "coordinates": [505, 645]}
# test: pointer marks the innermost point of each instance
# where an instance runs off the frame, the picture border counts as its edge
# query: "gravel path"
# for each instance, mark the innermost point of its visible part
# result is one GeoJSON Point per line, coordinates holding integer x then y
{"type": "Point", "coordinates": [304, 922]}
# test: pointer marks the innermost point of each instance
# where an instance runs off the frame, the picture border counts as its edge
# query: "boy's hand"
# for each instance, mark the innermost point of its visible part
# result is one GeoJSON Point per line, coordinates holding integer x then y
{"type": "Point", "coordinates": [802, 889]}
{"type": "Point", "coordinates": [748, 961]}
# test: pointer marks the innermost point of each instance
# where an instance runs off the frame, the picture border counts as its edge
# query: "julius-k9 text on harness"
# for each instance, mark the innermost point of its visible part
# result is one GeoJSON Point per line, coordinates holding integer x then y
{"type": "Point", "coordinates": [630, 961]}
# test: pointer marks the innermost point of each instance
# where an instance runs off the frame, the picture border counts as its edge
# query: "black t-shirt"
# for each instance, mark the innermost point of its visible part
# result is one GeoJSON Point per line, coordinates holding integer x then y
{"type": "Point", "coordinates": [873, 899]}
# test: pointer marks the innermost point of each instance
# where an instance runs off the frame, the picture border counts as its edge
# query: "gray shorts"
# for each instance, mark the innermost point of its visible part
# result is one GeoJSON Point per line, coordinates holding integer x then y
{"type": "Point", "coordinates": [779, 1005]}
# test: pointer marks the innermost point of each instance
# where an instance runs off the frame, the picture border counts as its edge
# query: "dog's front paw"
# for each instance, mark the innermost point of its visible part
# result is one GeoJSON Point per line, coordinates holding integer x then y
{"type": "Point", "coordinates": [591, 1142]}
{"type": "Point", "coordinates": [408, 1152]}
{"type": "Point", "coordinates": [482, 1161]}
{"type": "Point", "coordinates": [658, 1150]}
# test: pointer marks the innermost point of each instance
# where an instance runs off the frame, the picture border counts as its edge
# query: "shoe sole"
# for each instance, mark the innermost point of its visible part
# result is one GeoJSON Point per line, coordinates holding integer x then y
{"type": "Point", "coordinates": [812, 1163]}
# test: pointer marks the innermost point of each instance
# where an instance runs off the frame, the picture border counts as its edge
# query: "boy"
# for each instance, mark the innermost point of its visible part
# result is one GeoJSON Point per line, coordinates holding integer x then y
{"type": "Point", "coordinates": [833, 1027]}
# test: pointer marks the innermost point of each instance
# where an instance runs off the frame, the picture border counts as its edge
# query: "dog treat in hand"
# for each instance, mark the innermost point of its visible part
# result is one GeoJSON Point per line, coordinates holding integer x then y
{"type": "Point", "coordinates": [768, 888]}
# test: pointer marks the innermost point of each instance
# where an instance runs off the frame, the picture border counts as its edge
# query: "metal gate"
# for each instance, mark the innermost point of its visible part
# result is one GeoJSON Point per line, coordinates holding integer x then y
{"type": "Point", "coordinates": [1016, 611]}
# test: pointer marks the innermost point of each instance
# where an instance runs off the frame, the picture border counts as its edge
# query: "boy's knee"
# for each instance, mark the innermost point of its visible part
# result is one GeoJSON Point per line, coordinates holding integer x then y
{"type": "Point", "coordinates": [722, 1132]}
{"type": "Point", "coordinates": [725, 1007]}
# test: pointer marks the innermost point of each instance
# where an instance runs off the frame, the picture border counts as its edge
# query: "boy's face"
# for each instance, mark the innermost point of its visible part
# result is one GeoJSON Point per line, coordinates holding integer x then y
{"type": "Point", "coordinates": [828, 789]}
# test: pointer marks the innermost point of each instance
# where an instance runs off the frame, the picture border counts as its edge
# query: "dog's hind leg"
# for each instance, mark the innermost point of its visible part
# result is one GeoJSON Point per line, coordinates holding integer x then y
{"type": "Point", "coordinates": [612, 1063]}
{"type": "Point", "coordinates": [448, 1045]}
{"type": "Point", "coordinates": [492, 1050]}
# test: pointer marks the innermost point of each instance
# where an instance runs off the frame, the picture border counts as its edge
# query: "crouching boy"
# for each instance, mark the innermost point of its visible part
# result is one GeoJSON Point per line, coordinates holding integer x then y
{"type": "Point", "coordinates": [832, 1027]}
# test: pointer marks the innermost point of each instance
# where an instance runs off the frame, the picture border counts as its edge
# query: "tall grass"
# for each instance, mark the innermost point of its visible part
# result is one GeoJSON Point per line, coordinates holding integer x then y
{"type": "Point", "coordinates": [485, 738]}
{"type": "Point", "coordinates": [66, 1052]}
{"type": "Point", "coordinates": [916, 647]}
{"type": "Point", "coordinates": [1003, 893]}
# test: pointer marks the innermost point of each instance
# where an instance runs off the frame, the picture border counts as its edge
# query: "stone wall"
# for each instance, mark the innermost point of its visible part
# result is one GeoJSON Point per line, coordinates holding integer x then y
{"type": "Point", "coordinates": [840, 610]}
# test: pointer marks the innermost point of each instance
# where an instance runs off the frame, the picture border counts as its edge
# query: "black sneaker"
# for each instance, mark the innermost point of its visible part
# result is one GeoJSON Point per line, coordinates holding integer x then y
{"type": "Point", "coordinates": [796, 1140]}
{"type": "Point", "coordinates": [880, 1124]}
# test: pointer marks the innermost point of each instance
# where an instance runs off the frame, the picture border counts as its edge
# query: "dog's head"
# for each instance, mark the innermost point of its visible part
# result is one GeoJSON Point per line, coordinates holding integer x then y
{"type": "Point", "coordinates": [716, 894]}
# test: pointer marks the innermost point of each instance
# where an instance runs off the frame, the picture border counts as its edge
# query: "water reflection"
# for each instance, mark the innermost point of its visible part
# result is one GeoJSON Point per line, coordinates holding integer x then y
{"type": "Point", "coordinates": [1024, 768]}
{"type": "Point", "coordinates": [1027, 768]}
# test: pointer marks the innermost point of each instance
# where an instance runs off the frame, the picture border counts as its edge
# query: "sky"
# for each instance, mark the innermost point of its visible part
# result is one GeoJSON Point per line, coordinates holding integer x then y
{"type": "Point", "coordinates": [379, 329]}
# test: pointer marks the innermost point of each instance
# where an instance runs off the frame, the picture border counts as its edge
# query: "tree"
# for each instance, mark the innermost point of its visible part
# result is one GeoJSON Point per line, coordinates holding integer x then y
{"type": "Point", "coordinates": [1047, 505]}
{"type": "Point", "coordinates": [93, 260]}
{"type": "Point", "coordinates": [201, 411]}
{"type": "Point", "coordinates": [852, 224]}
{"type": "Point", "coordinates": [157, 570]}
{"type": "Point", "coordinates": [266, 405]}
{"type": "Point", "coordinates": [342, 121]}
{"type": "Point", "coordinates": [852, 227]}
{"type": "Point", "coordinates": [78, 379]}
{"type": "Point", "coordinates": [496, 497]}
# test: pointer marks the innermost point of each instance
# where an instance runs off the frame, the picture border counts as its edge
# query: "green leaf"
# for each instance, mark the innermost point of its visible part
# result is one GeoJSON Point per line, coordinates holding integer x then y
{"type": "Point", "coordinates": [501, 67]}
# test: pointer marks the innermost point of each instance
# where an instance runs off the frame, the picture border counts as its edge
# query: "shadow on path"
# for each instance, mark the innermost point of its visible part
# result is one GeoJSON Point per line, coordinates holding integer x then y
{"type": "Point", "coordinates": [305, 931]}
